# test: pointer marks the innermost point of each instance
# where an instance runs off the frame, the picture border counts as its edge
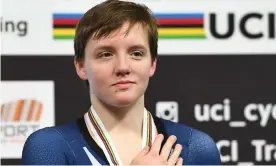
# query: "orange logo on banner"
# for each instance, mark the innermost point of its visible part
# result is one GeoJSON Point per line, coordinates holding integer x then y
{"type": "Point", "coordinates": [19, 119]}
{"type": "Point", "coordinates": [21, 110]}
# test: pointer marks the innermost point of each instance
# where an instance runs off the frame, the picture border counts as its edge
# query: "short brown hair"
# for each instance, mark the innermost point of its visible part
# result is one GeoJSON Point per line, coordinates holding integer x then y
{"type": "Point", "coordinates": [102, 19]}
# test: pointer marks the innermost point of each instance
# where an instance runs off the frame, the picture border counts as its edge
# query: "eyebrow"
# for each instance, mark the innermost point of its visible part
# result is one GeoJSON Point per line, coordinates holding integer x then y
{"type": "Point", "coordinates": [112, 48]}
{"type": "Point", "coordinates": [105, 47]}
{"type": "Point", "coordinates": [138, 46]}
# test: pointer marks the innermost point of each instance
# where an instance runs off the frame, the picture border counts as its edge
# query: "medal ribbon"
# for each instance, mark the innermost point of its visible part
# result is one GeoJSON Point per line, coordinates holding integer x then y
{"type": "Point", "coordinates": [97, 128]}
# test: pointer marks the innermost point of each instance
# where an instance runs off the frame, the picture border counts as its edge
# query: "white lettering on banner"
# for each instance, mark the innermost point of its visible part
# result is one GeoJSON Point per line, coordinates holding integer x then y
{"type": "Point", "coordinates": [233, 145]}
{"type": "Point", "coordinates": [251, 111]}
{"type": "Point", "coordinates": [263, 151]}
{"type": "Point", "coordinates": [216, 112]}
{"type": "Point", "coordinates": [222, 112]}
{"type": "Point", "coordinates": [245, 163]}
{"type": "Point", "coordinates": [237, 124]}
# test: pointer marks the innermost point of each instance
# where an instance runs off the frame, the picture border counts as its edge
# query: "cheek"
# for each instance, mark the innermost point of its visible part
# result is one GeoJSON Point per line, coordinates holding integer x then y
{"type": "Point", "coordinates": [98, 75]}
{"type": "Point", "coordinates": [144, 71]}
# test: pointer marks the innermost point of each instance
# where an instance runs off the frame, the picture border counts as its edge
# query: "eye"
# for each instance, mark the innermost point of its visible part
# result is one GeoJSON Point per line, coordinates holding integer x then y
{"type": "Point", "coordinates": [137, 54]}
{"type": "Point", "coordinates": [105, 55]}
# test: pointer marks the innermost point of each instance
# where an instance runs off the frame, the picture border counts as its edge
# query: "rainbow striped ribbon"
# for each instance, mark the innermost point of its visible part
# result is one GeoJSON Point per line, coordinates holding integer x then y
{"type": "Point", "coordinates": [97, 128]}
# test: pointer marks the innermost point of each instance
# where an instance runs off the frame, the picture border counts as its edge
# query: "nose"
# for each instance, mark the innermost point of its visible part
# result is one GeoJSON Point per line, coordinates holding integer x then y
{"type": "Point", "coordinates": [122, 65]}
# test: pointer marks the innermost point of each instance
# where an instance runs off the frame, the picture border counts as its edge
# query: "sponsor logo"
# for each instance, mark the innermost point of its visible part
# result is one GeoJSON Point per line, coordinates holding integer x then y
{"type": "Point", "coordinates": [181, 26]}
{"type": "Point", "coordinates": [20, 119]}
{"type": "Point", "coordinates": [171, 26]}
{"type": "Point", "coordinates": [251, 25]}
{"type": "Point", "coordinates": [64, 25]}
{"type": "Point", "coordinates": [26, 106]}
{"type": "Point", "coordinates": [167, 110]}
{"type": "Point", "coordinates": [21, 110]}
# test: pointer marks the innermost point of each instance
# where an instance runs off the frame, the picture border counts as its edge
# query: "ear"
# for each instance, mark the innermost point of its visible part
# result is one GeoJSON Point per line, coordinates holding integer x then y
{"type": "Point", "coordinates": [153, 67]}
{"type": "Point", "coordinates": [79, 65]}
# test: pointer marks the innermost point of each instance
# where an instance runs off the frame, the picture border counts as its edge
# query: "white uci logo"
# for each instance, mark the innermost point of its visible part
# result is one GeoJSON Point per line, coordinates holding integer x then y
{"type": "Point", "coordinates": [167, 110]}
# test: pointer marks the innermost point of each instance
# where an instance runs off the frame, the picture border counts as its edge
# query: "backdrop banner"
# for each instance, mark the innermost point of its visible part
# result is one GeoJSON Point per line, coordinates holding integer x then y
{"type": "Point", "coordinates": [232, 98]}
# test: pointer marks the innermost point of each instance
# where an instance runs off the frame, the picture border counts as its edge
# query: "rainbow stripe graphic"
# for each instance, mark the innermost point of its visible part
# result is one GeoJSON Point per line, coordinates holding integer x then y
{"type": "Point", "coordinates": [171, 25]}
{"type": "Point", "coordinates": [181, 26]}
{"type": "Point", "coordinates": [64, 25]}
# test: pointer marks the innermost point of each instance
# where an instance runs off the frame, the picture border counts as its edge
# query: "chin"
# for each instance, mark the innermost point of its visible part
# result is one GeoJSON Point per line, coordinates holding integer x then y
{"type": "Point", "coordinates": [124, 101]}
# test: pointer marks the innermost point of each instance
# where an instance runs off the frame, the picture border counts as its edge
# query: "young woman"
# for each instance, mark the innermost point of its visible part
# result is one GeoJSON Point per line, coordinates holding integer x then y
{"type": "Point", "coordinates": [116, 53]}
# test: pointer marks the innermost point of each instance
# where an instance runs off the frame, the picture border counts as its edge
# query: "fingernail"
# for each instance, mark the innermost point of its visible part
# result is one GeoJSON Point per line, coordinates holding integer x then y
{"type": "Point", "coordinates": [174, 137]}
{"type": "Point", "coordinates": [179, 145]}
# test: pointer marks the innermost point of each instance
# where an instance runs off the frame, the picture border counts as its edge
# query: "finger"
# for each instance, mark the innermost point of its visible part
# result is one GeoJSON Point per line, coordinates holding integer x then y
{"type": "Point", "coordinates": [144, 151]}
{"type": "Point", "coordinates": [155, 148]}
{"type": "Point", "coordinates": [168, 146]}
{"type": "Point", "coordinates": [179, 162]}
{"type": "Point", "coordinates": [175, 155]}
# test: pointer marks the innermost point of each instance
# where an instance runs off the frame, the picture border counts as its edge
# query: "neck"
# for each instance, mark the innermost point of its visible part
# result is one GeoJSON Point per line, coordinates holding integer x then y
{"type": "Point", "coordinates": [120, 119]}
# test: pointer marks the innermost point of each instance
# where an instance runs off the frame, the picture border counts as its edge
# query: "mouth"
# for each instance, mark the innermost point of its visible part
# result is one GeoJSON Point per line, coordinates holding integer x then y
{"type": "Point", "coordinates": [122, 83]}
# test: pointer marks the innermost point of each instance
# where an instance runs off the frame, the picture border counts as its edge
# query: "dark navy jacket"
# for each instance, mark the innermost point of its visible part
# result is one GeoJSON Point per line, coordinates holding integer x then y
{"type": "Point", "coordinates": [64, 144]}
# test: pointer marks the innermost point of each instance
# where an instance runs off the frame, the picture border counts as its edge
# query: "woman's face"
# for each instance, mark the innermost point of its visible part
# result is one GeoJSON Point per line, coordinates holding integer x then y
{"type": "Point", "coordinates": [118, 67]}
